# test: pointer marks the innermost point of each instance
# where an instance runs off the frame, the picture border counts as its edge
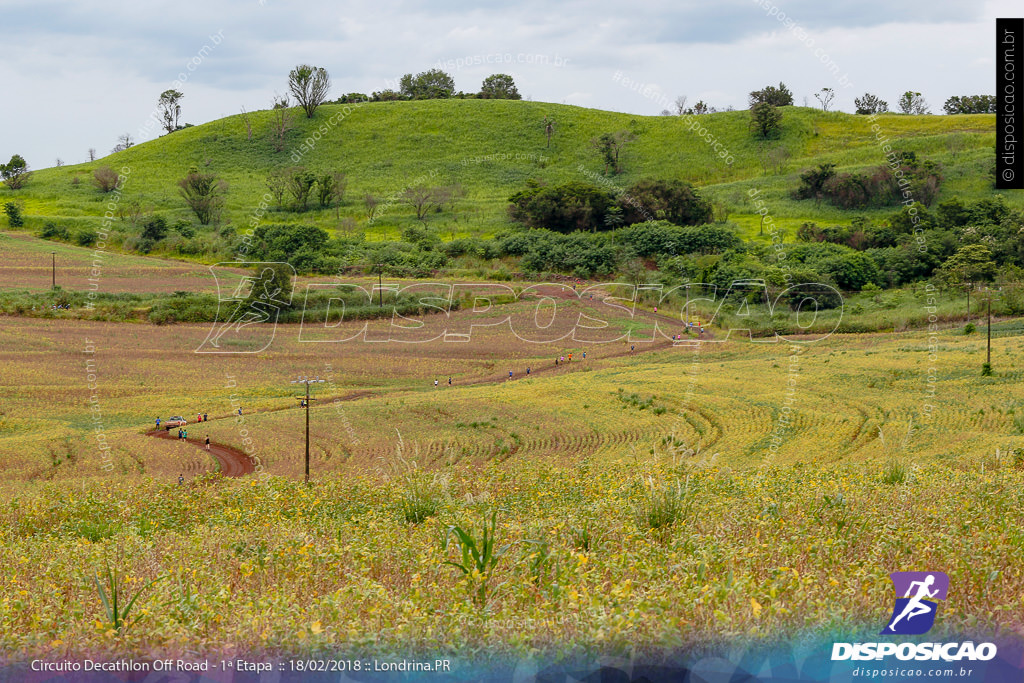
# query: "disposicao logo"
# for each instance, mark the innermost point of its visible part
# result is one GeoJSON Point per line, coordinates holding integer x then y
{"type": "Point", "coordinates": [917, 596]}
{"type": "Point", "coordinates": [917, 602]}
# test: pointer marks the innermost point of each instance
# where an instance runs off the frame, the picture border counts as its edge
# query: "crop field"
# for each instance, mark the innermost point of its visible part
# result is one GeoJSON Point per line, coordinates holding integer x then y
{"type": "Point", "coordinates": [726, 486]}
{"type": "Point", "coordinates": [27, 264]}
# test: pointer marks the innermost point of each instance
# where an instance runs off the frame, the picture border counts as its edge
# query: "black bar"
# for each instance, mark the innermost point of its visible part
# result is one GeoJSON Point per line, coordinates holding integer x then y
{"type": "Point", "coordinates": [1009, 105]}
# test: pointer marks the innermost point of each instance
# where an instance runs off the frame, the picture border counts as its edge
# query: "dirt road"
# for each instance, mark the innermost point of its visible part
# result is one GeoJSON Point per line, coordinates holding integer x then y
{"type": "Point", "coordinates": [233, 462]}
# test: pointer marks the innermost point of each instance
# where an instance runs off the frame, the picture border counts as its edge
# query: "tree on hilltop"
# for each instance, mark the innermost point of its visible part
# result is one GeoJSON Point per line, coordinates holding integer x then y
{"type": "Point", "coordinates": [499, 87]}
{"type": "Point", "coordinates": [170, 109]}
{"type": "Point", "coordinates": [777, 97]}
{"type": "Point", "coordinates": [309, 85]}
{"type": "Point", "coordinates": [15, 172]}
{"type": "Point", "coordinates": [870, 104]}
{"type": "Point", "coordinates": [427, 85]}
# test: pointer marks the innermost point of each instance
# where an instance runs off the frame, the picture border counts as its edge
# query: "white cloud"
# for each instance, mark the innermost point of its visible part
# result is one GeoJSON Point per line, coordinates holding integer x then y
{"type": "Point", "coordinates": [96, 68]}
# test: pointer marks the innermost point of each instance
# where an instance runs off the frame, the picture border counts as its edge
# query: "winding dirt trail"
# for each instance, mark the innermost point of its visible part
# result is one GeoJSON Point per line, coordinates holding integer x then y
{"type": "Point", "coordinates": [233, 462]}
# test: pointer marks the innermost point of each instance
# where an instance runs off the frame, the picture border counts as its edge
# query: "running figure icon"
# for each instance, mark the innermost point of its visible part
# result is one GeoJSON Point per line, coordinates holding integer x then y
{"type": "Point", "coordinates": [915, 607]}
{"type": "Point", "coordinates": [917, 601]}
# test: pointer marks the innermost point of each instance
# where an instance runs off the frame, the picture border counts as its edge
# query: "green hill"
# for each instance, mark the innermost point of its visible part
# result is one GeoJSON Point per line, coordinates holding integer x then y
{"type": "Point", "coordinates": [491, 148]}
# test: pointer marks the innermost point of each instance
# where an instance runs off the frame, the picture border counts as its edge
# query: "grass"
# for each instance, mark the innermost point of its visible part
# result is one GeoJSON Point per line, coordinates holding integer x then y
{"type": "Point", "coordinates": [280, 568]}
{"type": "Point", "coordinates": [383, 147]}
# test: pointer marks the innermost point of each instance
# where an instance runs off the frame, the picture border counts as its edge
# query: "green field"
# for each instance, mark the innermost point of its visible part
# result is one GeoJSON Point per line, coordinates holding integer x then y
{"type": "Point", "coordinates": [384, 147]}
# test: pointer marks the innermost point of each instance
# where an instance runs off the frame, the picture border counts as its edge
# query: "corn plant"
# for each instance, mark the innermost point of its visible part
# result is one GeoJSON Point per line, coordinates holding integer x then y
{"type": "Point", "coordinates": [113, 595]}
{"type": "Point", "coordinates": [479, 555]}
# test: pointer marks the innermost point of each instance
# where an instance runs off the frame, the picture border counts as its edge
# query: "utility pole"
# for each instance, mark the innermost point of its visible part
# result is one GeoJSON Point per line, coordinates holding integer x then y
{"type": "Point", "coordinates": [969, 285]}
{"type": "Point", "coordinates": [380, 282]}
{"type": "Point", "coordinates": [53, 264]}
{"type": "Point", "coordinates": [988, 329]}
{"type": "Point", "coordinates": [307, 382]}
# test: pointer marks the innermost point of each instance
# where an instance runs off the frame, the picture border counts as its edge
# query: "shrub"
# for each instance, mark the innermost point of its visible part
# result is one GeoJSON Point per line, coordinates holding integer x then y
{"type": "Point", "coordinates": [675, 201]}
{"type": "Point", "coordinates": [85, 238]}
{"type": "Point", "coordinates": [14, 218]}
{"type": "Point", "coordinates": [105, 178]}
{"type": "Point", "coordinates": [563, 208]}
{"type": "Point", "coordinates": [52, 231]}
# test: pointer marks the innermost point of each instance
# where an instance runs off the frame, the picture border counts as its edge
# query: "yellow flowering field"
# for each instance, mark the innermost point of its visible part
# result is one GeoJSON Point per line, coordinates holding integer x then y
{"type": "Point", "coordinates": [640, 555]}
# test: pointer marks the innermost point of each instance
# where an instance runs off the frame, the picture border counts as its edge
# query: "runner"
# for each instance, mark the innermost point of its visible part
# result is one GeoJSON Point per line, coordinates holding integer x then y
{"type": "Point", "coordinates": [181, 480]}
{"type": "Point", "coordinates": [205, 419]}
{"type": "Point", "coordinates": [527, 371]}
{"type": "Point", "coordinates": [584, 355]}
{"type": "Point", "coordinates": [570, 357]}
{"type": "Point", "coordinates": [207, 442]}
{"type": "Point", "coordinates": [158, 423]}
{"type": "Point", "coordinates": [449, 381]}
{"type": "Point", "coordinates": [435, 384]}
{"type": "Point", "coordinates": [199, 417]}
{"type": "Point", "coordinates": [510, 374]}
{"type": "Point", "coordinates": [239, 410]}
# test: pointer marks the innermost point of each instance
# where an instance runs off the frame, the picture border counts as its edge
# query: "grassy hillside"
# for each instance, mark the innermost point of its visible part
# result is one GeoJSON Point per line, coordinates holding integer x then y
{"type": "Point", "coordinates": [383, 147]}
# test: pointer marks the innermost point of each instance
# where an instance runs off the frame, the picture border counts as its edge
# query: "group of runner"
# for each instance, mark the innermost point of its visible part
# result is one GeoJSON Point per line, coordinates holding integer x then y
{"type": "Point", "coordinates": [183, 435]}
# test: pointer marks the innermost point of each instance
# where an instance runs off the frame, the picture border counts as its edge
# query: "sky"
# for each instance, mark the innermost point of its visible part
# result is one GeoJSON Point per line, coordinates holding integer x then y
{"type": "Point", "coordinates": [76, 74]}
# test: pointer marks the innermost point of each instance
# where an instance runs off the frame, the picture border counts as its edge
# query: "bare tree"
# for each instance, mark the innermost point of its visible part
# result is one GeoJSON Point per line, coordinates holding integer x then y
{"type": "Point", "coordinates": [825, 97]}
{"type": "Point", "coordinates": [423, 199]}
{"type": "Point", "coordinates": [92, 154]}
{"type": "Point", "coordinates": [455, 193]}
{"type": "Point", "coordinates": [248, 125]}
{"type": "Point", "coordinates": [283, 121]}
{"type": "Point", "coordinates": [309, 84]}
{"type": "Point", "coordinates": [371, 203]}
{"type": "Point", "coordinates": [123, 142]}
{"type": "Point", "coordinates": [277, 183]}
{"type": "Point", "coordinates": [130, 211]}
{"type": "Point", "coordinates": [680, 105]}
{"type": "Point", "coordinates": [549, 128]}
{"type": "Point", "coordinates": [105, 178]}
{"type": "Point", "coordinates": [777, 159]}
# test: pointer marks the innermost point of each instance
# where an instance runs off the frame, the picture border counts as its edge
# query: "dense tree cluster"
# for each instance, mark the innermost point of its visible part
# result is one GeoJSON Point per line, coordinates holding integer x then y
{"type": "Point", "coordinates": [970, 104]}
{"type": "Point", "coordinates": [905, 175]}
{"type": "Point", "coordinates": [578, 206]}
